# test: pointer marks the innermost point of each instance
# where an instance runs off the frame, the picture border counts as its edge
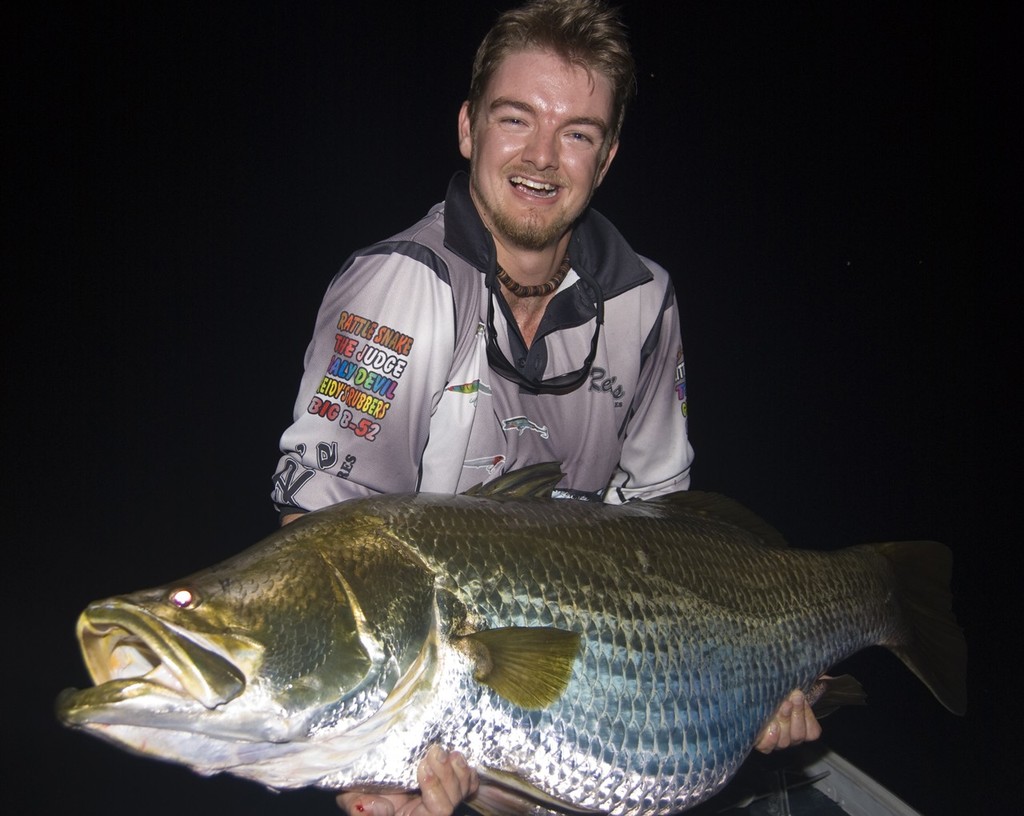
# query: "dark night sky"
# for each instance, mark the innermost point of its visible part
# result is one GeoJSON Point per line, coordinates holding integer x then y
{"type": "Point", "coordinates": [183, 179]}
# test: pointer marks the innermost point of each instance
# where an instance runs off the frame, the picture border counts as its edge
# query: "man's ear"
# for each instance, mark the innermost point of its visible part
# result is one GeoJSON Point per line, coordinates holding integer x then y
{"type": "Point", "coordinates": [465, 132]}
{"type": "Point", "coordinates": [603, 171]}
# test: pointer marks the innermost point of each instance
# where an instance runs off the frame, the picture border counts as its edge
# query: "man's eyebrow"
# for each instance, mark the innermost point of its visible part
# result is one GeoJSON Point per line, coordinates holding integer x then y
{"type": "Point", "coordinates": [519, 105]}
{"type": "Point", "coordinates": [506, 102]}
{"type": "Point", "coordinates": [593, 121]}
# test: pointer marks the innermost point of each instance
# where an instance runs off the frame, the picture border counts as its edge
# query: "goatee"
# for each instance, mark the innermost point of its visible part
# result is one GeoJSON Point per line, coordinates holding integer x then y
{"type": "Point", "coordinates": [529, 232]}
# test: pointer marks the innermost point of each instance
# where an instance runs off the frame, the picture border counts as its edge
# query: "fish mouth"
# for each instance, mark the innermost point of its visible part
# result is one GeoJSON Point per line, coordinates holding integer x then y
{"type": "Point", "coordinates": [130, 653]}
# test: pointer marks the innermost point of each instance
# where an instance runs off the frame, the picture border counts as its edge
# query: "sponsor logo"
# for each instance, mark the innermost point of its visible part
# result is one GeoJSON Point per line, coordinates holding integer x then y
{"type": "Point", "coordinates": [488, 463]}
{"type": "Point", "coordinates": [475, 387]}
{"type": "Point", "coordinates": [289, 480]}
{"type": "Point", "coordinates": [522, 424]}
{"type": "Point", "coordinates": [327, 458]}
{"type": "Point", "coordinates": [602, 383]}
{"type": "Point", "coordinates": [472, 389]}
{"type": "Point", "coordinates": [326, 455]}
{"type": "Point", "coordinates": [680, 381]}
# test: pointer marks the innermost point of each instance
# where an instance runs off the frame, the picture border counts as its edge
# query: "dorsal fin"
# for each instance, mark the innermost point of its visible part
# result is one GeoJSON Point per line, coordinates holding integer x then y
{"type": "Point", "coordinates": [724, 509]}
{"type": "Point", "coordinates": [535, 481]}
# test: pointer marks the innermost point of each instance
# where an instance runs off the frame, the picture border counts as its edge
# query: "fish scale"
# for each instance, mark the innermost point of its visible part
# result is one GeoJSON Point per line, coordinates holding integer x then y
{"type": "Point", "coordinates": [581, 655]}
{"type": "Point", "coordinates": [585, 588]}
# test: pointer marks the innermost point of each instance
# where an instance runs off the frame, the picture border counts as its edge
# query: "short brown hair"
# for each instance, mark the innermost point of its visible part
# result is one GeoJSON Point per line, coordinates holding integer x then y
{"type": "Point", "coordinates": [584, 32]}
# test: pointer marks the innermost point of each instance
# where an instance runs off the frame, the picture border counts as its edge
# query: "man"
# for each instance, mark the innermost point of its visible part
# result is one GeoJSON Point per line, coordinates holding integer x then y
{"type": "Point", "coordinates": [512, 325]}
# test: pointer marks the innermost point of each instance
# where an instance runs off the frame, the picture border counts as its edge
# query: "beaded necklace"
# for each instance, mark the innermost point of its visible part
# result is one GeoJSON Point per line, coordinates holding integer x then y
{"type": "Point", "coordinates": [540, 289]}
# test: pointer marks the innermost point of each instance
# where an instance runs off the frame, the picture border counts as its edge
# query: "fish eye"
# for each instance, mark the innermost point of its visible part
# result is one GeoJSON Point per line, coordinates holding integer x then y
{"type": "Point", "coordinates": [183, 598]}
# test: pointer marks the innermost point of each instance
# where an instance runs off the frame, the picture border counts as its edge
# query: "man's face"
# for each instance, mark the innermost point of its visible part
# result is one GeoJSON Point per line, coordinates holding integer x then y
{"type": "Point", "coordinates": [539, 147]}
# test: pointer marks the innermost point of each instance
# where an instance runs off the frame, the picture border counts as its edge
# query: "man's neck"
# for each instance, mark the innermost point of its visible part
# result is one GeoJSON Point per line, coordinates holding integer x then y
{"type": "Point", "coordinates": [531, 267]}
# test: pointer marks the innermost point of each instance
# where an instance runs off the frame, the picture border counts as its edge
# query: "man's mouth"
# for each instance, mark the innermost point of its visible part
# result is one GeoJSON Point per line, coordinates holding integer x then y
{"type": "Point", "coordinates": [540, 189]}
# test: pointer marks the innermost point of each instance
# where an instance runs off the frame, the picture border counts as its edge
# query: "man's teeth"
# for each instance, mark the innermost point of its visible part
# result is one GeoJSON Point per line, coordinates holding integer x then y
{"type": "Point", "coordinates": [537, 186]}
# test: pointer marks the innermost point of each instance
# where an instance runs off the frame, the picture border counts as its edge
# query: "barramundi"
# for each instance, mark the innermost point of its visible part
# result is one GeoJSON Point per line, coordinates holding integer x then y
{"type": "Point", "coordinates": [583, 656]}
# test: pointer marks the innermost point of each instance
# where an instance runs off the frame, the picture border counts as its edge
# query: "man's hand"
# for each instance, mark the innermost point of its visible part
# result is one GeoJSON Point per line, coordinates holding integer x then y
{"type": "Point", "coordinates": [794, 722]}
{"type": "Point", "coordinates": [445, 780]}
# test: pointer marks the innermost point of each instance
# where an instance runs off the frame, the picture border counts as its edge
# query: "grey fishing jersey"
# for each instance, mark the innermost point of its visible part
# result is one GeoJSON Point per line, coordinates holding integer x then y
{"type": "Point", "coordinates": [398, 394]}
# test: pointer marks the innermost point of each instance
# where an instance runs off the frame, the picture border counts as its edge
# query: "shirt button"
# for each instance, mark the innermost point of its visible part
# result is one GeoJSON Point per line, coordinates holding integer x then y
{"type": "Point", "coordinates": [521, 362]}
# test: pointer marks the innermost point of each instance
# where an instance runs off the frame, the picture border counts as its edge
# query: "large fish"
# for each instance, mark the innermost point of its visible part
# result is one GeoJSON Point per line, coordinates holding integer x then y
{"type": "Point", "coordinates": [584, 657]}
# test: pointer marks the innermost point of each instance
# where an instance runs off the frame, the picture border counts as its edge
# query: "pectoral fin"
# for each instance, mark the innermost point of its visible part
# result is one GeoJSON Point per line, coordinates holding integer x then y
{"type": "Point", "coordinates": [529, 666]}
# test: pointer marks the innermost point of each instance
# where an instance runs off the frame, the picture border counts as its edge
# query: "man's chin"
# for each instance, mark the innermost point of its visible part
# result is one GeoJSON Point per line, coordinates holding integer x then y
{"type": "Point", "coordinates": [531, 234]}
{"type": "Point", "coordinates": [529, 231]}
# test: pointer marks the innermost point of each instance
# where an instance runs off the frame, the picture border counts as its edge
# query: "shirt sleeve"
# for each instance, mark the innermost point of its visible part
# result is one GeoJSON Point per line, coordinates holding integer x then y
{"type": "Point", "coordinates": [373, 372]}
{"type": "Point", "coordinates": [656, 451]}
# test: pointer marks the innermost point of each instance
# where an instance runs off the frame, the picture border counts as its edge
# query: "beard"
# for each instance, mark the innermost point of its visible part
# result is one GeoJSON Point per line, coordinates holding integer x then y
{"type": "Point", "coordinates": [528, 232]}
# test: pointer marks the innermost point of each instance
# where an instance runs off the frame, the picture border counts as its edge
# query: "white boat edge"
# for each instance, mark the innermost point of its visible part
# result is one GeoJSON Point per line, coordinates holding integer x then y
{"type": "Point", "coordinates": [853, 790]}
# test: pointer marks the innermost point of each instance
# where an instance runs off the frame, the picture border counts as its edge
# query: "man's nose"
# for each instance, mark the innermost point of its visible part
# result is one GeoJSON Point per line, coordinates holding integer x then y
{"type": "Point", "coordinates": [541, 149]}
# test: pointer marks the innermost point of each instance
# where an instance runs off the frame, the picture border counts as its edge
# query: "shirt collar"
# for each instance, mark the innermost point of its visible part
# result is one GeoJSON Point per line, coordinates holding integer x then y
{"type": "Point", "coordinates": [596, 245]}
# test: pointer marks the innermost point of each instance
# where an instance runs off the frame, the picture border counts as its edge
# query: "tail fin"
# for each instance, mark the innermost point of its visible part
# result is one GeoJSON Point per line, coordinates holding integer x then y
{"type": "Point", "coordinates": [936, 650]}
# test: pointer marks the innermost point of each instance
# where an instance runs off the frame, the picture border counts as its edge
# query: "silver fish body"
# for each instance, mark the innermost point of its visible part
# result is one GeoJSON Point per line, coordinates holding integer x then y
{"type": "Point", "coordinates": [583, 656]}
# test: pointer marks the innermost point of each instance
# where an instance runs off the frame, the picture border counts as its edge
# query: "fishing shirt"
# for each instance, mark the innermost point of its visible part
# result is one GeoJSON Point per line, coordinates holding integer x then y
{"type": "Point", "coordinates": [397, 394]}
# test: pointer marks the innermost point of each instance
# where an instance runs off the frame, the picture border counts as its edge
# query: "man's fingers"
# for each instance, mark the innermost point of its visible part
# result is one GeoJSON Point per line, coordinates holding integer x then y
{"type": "Point", "coordinates": [445, 781]}
{"type": "Point", "coordinates": [797, 721]}
{"type": "Point", "coordinates": [438, 784]}
{"type": "Point", "coordinates": [792, 724]}
{"type": "Point", "coordinates": [777, 734]}
{"type": "Point", "coordinates": [469, 780]}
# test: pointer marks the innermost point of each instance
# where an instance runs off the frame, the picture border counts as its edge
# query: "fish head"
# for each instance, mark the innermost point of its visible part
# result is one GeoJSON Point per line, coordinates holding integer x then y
{"type": "Point", "coordinates": [272, 646]}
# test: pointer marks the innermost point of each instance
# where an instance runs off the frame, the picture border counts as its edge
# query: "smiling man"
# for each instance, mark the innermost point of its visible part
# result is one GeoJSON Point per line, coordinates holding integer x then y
{"type": "Point", "coordinates": [539, 144]}
{"type": "Point", "coordinates": [512, 325]}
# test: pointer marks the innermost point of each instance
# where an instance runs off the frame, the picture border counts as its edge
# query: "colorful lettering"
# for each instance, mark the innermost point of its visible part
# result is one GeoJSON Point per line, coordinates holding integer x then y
{"type": "Point", "coordinates": [362, 427]}
{"type": "Point", "coordinates": [394, 340]}
{"type": "Point", "coordinates": [361, 401]}
{"type": "Point", "coordinates": [344, 346]}
{"type": "Point", "coordinates": [378, 359]}
{"type": "Point", "coordinates": [324, 408]}
{"type": "Point", "coordinates": [356, 324]}
{"type": "Point", "coordinates": [343, 369]}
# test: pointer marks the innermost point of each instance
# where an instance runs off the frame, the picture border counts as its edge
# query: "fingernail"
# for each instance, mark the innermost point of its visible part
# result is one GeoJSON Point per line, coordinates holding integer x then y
{"type": "Point", "coordinates": [441, 754]}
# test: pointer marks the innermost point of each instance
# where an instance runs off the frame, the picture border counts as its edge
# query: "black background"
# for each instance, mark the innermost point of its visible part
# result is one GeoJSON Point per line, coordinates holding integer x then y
{"type": "Point", "coordinates": [181, 181]}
